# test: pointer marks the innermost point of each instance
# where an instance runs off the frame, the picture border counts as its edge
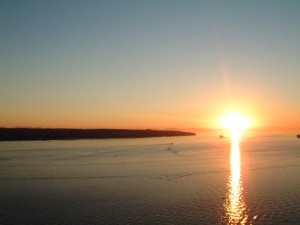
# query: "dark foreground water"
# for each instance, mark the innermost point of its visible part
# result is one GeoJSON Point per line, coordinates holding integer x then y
{"type": "Point", "coordinates": [182, 180]}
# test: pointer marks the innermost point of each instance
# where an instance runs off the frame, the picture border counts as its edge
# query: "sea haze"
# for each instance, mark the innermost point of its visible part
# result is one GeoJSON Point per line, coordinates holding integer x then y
{"type": "Point", "coordinates": [173, 180]}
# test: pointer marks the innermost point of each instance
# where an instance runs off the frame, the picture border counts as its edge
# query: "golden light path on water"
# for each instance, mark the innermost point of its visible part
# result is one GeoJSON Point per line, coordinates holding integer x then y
{"type": "Point", "coordinates": [234, 206]}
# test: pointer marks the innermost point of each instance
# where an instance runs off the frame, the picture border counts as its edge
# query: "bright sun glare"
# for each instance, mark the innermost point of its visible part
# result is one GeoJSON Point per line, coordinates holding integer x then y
{"type": "Point", "coordinates": [235, 122]}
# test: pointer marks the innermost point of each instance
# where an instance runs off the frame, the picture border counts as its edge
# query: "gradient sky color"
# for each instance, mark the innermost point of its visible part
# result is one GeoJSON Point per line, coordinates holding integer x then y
{"type": "Point", "coordinates": [148, 64]}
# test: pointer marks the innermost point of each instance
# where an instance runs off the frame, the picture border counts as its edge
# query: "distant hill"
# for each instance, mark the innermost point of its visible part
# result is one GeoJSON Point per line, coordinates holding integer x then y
{"type": "Point", "coordinates": [28, 134]}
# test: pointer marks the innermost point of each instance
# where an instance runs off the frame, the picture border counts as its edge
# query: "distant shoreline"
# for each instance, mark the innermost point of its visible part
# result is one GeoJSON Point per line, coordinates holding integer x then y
{"type": "Point", "coordinates": [44, 134]}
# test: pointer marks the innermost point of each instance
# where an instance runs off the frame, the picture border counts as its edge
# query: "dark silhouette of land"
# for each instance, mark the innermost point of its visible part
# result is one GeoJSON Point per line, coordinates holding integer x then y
{"type": "Point", "coordinates": [28, 134]}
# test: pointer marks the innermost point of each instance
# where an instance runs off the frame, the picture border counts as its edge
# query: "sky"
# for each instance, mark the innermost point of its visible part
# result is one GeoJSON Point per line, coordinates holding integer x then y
{"type": "Point", "coordinates": [148, 64]}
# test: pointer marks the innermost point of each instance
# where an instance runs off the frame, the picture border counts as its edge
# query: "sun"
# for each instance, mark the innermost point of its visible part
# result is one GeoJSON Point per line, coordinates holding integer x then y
{"type": "Point", "coordinates": [235, 121]}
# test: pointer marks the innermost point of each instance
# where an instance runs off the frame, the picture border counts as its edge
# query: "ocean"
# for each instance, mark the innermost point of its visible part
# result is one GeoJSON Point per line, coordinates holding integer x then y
{"type": "Point", "coordinates": [199, 179]}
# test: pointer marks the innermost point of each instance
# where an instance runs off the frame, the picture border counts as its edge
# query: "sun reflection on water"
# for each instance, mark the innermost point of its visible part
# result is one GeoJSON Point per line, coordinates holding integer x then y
{"type": "Point", "coordinates": [234, 205]}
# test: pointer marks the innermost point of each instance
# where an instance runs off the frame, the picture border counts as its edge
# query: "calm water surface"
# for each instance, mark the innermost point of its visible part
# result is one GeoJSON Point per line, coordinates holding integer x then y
{"type": "Point", "coordinates": [180, 180]}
